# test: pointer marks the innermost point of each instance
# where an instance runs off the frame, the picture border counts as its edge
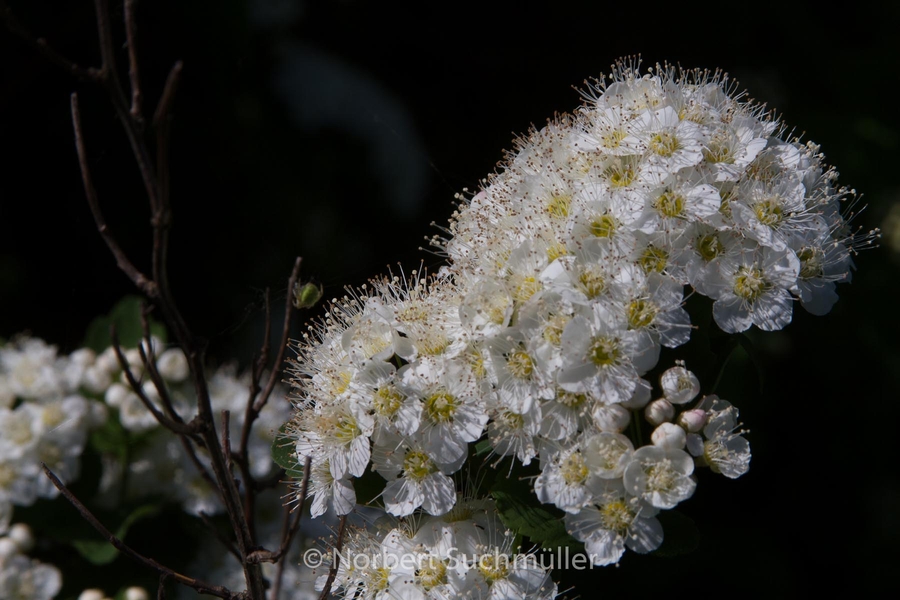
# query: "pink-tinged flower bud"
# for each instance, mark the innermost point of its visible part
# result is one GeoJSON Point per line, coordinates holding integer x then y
{"type": "Point", "coordinates": [669, 436]}
{"type": "Point", "coordinates": [692, 420]}
{"type": "Point", "coordinates": [659, 411]}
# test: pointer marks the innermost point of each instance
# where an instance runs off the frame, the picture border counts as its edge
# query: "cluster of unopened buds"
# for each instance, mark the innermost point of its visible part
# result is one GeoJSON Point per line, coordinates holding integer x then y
{"type": "Point", "coordinates": [567, 274]}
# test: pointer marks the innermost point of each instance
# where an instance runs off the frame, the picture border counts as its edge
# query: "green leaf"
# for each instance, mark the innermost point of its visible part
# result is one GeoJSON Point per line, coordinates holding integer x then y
{"type": "Point", "coordinates": [100, 552]}
{"type": "Point", "coordinates": [111, 438]}
{"type": "Point", "coordinates": [483, 447]}
{"type": "Point", "coordinates": [680, 534]}
{"type": "Point", "coordinates": [284, 453]}
{"type": "Point", "coordinates": [126, 316]}
{"type": "Point", "coordinates": [521, 511]}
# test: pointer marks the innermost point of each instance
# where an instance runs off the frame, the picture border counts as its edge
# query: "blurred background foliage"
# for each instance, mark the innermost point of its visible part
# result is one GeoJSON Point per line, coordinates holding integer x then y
{"type": "Point", "coordinates": [339, 130]}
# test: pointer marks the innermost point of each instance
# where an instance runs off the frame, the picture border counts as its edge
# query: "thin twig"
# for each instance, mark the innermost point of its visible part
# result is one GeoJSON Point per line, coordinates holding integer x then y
{"type": "Point", "coordinates": [285, 337]}
{"type": "Point", "coordinates": [133, 75]}
{"type": "Point", "coordinates": [150, 365]}
{"type": "Point", "coordinates": [332, 573]}
{"type": "Point", "coordinates": [201, 586]}
{"type": "Point", "coordinates": [43, 47]}
{"type": "Point", "coordinates": [287, 534]}
{"type": "Point", "coordinates": [161, 590]}
{"type": "Point", "coordinates": [138, 389]}
{"type": "Point", "coordinates": [226, 438]}
{"type": "Point", "coordinates": [139, 279]}
{"type": "Point", "coordinates": [215, 531]}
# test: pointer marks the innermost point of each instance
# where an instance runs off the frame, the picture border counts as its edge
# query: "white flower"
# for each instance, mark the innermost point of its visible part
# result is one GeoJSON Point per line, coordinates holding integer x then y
{"type": "Point", "coordinates": [564, 480]}
{"type": "Point", "coordinates": [724, 450]}
{"type": "Point", "coordinates": [453, 413]}
{"type": "Point", "coordinates": [414, 479]}
{"type": "Point", "coordinates": [679, 385]}
{"type": "Point", "coordinates": [614, 520]}
{"type": "Point", "coordinates": [328, 492]}
{"type": "Point", "coordinates": [662, 478]}
{"type": "Point", "coordinates": [753, 289]}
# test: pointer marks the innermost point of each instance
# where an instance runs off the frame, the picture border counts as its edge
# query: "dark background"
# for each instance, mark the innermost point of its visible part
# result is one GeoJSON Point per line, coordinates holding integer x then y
{"type": "Point", "coordinates": [339, 130]}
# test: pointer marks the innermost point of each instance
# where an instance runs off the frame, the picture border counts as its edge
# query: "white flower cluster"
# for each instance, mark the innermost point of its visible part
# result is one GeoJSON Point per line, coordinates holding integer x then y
{"type": "Point", "coordinates": [22, 577]}
{"type": "Point", "coordinates": [464, 554]}
{"type": "Point", "coordinates": [44, 417]}
{"type": "Point", "coordinates": [50, 403]}
{"type": "Point", "coordinates": [567, 276]}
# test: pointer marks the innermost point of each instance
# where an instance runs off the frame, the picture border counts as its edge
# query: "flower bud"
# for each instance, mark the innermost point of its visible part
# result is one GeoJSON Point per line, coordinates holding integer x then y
{"type": "Point", "coordinates": [7, 548]}
{"type": "Point", "coordinates": [613, 418]}
{"type": "Point", "coordinates": [108, 361]}
{"type": "Point", "coordinates": [135, 364]}
{"type": "Point", "coordinates": [692, 420]}
{"type": "Point", "coordinates": [116, 395]}
{"type": "Point", "coordinates": [679, 385]}
{"type": "Point", "coordinates": [21, 535]}
{"type": "Point", "coordinates": [136, 593]}
{"type": "Point", "coordinates": [173, 365]}
{"type": "Point", "coordinates": [659, 411]}
{"type": "Point", "coordinates": [307, 295]}
{"type": "Point", "coordinates": [669, 436]}
{"type": "Point", "coordinates": [92, 594]}
{"type": "Point", "coordinates": [96, 379]}
{"type": "Point", "coordinates": [83, 357]}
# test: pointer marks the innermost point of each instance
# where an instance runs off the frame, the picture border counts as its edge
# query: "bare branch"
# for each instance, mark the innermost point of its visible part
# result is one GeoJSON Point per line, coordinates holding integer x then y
{"type": "Point", "coordinates": [287, 533]}
{"type": "Point", "coordinates": [138, 389]}
{"type": "Point", "coordinates": [285, 337]}
{"type": "Point", "coordinates": [225, 542]}
{"type": "Point", "coordinates": [131, 35]}
{"type": "Point", "coordinates": [125, 265]}
{"type": "Point", "coordinates": [201, 586]}
{"type": "Point", "coordinates": [43, 47]}
{"type": "Point", "coordinates": [335, 563]}
{"type": "Point", "coordinates": [226, 439]}
{"type": "Point", "coordinates": [161, 590]}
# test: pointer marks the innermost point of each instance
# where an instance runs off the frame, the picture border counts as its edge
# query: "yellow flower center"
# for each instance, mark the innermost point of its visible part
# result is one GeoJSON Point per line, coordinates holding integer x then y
{"type": "Point", "coordinates": [669, 204]}
{"type": "Point", "coordinates": [558, 206]}
{"type": "Point", "coordinates": [653, 259]}
{"type": "Point", "coordinates": [604, 351]}
{"type": "Point", "coordinates": [750, 284]}
{"type": "Point", "coordinates": [573, 469]}
{"type": "Point", "coordinates": [387, 401]}
{"type": "Point", "coordinates": [664, 143]}
{"type": "Point", "coordinates": [709, 246]}
{"type": "Point", "coordinates": [811, 263]}
{"type": "Point", "coordinates": [432, 573]}
{"type": "Point", "coordinates": [417, 466]}
{"type": "Point", "coordinates": [494, 567]}
{"type": "Point", "coordinates": [640, 313]}
{"type": "Point", "coordinates": [616, 516]}
{"type": "Point", "coordinates": [441, 406]}
{"type": "Point", "coordinates": [520, 365]}
{"type": "Point", "coordinates": [604, 226]}
{"type": "Point", "coordinates": [768, 212]}
{"type": "Point", "coordinates": [592, 282]}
